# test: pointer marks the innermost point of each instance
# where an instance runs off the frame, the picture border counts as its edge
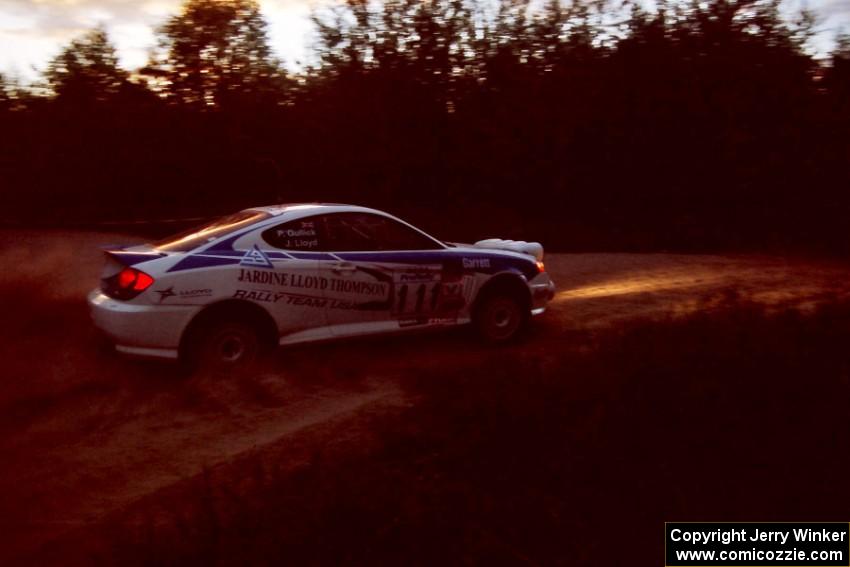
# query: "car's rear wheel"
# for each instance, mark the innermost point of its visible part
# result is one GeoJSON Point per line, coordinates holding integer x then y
{"type": "Point", "coordinates": [500, 317]}
{"type": "Point", "coordinates": [225, 346]}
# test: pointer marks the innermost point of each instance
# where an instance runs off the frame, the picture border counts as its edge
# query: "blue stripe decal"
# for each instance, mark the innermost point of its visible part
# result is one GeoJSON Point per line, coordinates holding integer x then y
{"type": "Point", "coordinates": [199, 261]}
{"type": "Point", "coordinates": [396, 257]}
{"type": "Point", "coordinates": [229, 253]}
{"type": "Point", "coordinates": [496, 262]}
{"type": "Point", "coordinates": [240, 253]}
{"type": "Point", "coordinates": [311, 255]}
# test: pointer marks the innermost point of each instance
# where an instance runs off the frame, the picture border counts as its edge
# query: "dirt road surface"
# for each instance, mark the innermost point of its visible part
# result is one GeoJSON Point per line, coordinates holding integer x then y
{"type": "Point", "coordinates": [84, 432]}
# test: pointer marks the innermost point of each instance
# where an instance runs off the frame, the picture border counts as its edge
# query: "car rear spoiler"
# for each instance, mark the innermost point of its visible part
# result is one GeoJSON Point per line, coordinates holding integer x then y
{"type": "Point", "coordinates": [130, 257]}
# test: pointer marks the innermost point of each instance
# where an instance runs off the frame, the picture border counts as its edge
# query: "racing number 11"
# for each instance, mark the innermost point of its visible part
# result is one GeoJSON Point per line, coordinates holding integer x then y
{"type": "Point", "coordinates": [421, 290]}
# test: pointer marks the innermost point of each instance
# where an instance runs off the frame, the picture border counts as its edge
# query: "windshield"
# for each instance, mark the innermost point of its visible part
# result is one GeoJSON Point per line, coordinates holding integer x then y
{"type": "Point", "coordinates": [192, 238]}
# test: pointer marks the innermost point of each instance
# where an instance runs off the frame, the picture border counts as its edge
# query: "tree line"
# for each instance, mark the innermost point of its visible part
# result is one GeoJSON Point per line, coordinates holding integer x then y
{"type": "Point", "coordinates": [587, 125]}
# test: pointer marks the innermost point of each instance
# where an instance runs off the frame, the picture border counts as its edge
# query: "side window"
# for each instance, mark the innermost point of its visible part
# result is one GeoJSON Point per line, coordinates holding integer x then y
{"type": "Point", "coordinates": [358, 232]}
{"type": "Point", "coordinates": [301, 234]}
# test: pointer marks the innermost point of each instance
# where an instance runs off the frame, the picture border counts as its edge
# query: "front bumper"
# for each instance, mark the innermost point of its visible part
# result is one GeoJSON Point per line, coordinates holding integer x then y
{"type": "Point", "coordinates": [542, 291]}
{"type": "Point", "coordinates": [142, 330]}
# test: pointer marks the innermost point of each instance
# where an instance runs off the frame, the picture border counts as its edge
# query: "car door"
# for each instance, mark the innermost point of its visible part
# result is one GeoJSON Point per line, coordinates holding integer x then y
{"type": "Point", "coordinates": [385, 275]}
{"type": "Point", "coordinates": [289, 284]}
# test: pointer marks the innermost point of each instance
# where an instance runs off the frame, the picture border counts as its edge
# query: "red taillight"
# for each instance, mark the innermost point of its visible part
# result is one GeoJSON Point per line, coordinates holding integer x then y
{"type": "Point", "coordinates": [126, 278]}
{"type": "Point", "coordinates": [127, 284]}
{"type": "Point", "coordinates": [541, 267]}
{"type": "Point", "coordinates": [143, 281]}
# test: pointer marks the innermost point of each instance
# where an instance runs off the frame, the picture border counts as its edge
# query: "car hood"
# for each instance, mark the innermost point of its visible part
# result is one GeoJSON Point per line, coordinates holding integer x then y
{"type": "Point", "coordinates": [534, 249]}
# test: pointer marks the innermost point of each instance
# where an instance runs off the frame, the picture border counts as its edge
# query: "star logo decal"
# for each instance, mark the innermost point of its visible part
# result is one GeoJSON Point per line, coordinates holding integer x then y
{"type": "Point", "coordinates": [166, 293]}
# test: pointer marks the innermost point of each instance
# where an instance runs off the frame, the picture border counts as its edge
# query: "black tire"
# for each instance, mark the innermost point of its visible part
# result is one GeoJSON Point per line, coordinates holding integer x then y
{"type": "Point", "coordinates": [224, 346]}
{"type": "Point", "coordinates": [500, 317]}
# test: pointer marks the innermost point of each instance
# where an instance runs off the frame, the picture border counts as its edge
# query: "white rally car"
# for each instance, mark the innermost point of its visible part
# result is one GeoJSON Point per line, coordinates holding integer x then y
{"type": "Point", "coordinates": [288, 274]}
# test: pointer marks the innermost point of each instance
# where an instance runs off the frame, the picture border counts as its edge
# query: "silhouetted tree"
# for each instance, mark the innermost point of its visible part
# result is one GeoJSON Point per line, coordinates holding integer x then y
{"type": "Point", "coordinates": [5, 98]}
{"type": "Point", "coordinates": [87, 70]}
{"type": "Point", "coordinates": [587, 124]}
{"type": "Point", "coordinates": [216, 51]}
{"type": "Point", "coordinates": [837, 76]}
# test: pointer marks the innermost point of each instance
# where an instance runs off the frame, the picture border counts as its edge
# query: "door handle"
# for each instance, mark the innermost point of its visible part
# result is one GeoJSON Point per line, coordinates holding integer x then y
{"type": "Point", "coordinates": [344, 268]}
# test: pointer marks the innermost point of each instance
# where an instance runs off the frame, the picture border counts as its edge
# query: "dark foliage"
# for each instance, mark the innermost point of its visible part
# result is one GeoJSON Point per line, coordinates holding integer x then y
{"type": "Point", "coordinates": [216, 54]}
{"type": "Point", "coordinates": [584, 125]}
{"type": "Point", "coordinates": [86, 72]}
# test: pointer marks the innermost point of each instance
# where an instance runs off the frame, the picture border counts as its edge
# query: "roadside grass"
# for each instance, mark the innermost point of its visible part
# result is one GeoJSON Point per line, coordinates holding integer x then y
{"type": "Point", "coordinates": [568, 457]}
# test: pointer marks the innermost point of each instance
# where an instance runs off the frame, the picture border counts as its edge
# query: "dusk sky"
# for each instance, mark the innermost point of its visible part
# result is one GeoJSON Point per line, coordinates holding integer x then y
{"type": "Point", "coordinates": [33, 31]}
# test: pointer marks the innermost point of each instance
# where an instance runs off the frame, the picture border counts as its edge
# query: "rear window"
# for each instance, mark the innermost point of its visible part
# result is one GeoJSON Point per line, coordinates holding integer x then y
{"type": "Point", "coordinates": [192, 238]}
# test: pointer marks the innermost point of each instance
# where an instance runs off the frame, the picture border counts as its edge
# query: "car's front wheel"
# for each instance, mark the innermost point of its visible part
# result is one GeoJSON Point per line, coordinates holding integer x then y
{"type": "Point", "coordinates": [500, 317]}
